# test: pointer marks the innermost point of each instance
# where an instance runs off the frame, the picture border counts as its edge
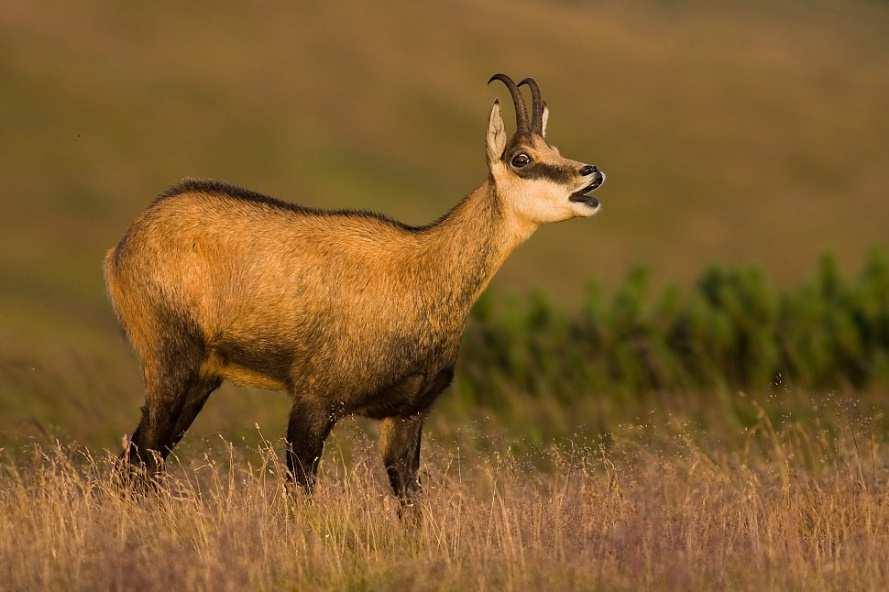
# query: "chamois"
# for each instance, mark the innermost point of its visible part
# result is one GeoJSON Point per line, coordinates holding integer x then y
{"type": "Point", "coordinates": [349, 312]}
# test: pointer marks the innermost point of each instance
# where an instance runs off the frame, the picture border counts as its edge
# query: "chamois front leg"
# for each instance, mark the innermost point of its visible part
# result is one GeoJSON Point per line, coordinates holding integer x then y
{"type": "Point", "coordinates": [309, 425]}
{"type": "Point", "coordinates": [400, 443]}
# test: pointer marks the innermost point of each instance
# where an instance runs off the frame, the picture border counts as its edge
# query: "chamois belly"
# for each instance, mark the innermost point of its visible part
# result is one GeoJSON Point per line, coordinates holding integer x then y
{"type": "Point", "coordinates": [215, 365]}
{"type": "Point", "coordinates": [389, 377]}
{"type": "Point", "coordinates": [410, 395]}
{"type": "Point", "coordinates": [258, 364]}
{"type": "Point", "coordinates": [408, 372]}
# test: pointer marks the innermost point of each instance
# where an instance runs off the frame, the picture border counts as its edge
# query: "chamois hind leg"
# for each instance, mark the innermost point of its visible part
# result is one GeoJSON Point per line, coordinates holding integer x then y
{"type": "Point", "coordinates": [194, 402]}
{"type": "Point", "coordinates": [154, 437]}
{"type": "Point", "coordinates": [400, 442]}
{"type": "Point", "coordinates": [174, 393]}
{"type": "Point", "coordinates": [309, 425]}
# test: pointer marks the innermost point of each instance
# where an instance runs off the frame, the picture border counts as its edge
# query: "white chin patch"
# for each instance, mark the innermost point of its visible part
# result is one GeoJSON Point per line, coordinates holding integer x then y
{"type": "Point", "coordinates": [585, 210]}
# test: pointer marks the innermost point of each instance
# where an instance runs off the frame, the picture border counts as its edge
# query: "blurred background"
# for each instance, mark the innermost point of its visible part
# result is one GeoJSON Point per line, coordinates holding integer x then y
{"type": "Point", "coordinates": [732, 133]}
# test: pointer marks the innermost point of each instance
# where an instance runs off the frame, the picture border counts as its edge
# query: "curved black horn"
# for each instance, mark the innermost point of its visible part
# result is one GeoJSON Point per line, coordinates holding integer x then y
{"type": "Point", "coordinates": [521, 116]}
{"type": "Point", "coordinates": [536, 105]}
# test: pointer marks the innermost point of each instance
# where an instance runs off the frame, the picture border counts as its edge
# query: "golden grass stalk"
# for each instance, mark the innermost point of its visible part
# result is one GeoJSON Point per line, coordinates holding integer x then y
{"type": "Point", "coordinates": [798, 508]}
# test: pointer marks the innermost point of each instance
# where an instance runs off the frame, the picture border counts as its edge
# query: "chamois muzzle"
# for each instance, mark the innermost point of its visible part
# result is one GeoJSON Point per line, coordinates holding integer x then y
{"type": "Point", "coordinates": [584, 195]}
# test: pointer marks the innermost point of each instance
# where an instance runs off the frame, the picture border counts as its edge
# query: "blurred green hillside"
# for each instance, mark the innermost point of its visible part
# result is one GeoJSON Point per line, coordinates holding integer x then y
{"type": "Point", "coordinates": [739, 133]}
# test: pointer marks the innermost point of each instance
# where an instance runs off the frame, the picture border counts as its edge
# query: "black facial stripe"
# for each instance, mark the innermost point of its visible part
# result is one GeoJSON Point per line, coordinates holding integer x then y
{"type": "Point", "coordinates": [542, 170]}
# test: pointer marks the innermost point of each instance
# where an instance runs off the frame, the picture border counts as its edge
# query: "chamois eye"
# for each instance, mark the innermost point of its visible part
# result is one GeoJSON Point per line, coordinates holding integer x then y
{"type": "Point", "coordinates": [520, 160]}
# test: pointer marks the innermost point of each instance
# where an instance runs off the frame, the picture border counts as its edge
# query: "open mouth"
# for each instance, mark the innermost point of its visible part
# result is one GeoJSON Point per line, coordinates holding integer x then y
{"type": "Point", "coordinates": [585, 196]}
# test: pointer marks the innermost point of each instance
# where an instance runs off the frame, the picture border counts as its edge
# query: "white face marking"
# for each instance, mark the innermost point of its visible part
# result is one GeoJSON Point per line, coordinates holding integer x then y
{"type": "Point", "coordinates": [585, 211]}
{"type": "Point", "coordinates": [541, 200]}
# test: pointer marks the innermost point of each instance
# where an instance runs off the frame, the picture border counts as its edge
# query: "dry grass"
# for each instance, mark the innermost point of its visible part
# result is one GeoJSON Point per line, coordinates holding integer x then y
{"type": "Point", "coordinates": [800, 508]}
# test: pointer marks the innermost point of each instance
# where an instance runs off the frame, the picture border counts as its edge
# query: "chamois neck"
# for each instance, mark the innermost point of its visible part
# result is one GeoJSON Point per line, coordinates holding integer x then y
{"type": "Point", "coordinates": [468, 245]}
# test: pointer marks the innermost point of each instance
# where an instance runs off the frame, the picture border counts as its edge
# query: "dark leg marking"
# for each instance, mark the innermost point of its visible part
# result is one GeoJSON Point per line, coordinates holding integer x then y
{"type": "Point", "coordinates": [400, 442]}
{"type": "Point", "coordinates": [153, 438]}
{"type": "Point", "coordinates": [309, 426]}
{"type": "Point", "coordinates": [174, 394]}
{"type": "Point", "coordinates": [195, 399]}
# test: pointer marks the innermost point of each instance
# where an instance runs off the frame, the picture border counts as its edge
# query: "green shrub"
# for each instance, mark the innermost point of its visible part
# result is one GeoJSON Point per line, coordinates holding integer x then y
{"type": "Point", "coordinates": [731, 330]}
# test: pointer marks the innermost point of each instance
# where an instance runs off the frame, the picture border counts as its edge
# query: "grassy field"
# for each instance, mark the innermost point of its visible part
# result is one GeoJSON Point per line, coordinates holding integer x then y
{"type": "Point", "coordinates": [733, 133]}
{"type": "Point", "coordinates": [659, 505]}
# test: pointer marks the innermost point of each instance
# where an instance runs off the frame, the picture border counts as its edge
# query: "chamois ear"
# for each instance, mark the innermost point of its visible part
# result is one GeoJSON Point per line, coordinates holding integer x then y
{"type": "Point", "coordinates": [544, 120]}
{"type": "Point", "coordinates": [496, 140]}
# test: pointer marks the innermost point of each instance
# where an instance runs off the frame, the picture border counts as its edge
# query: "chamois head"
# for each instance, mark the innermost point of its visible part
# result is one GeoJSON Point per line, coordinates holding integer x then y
{"type": "Point", "coordinates": [530, 175]}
